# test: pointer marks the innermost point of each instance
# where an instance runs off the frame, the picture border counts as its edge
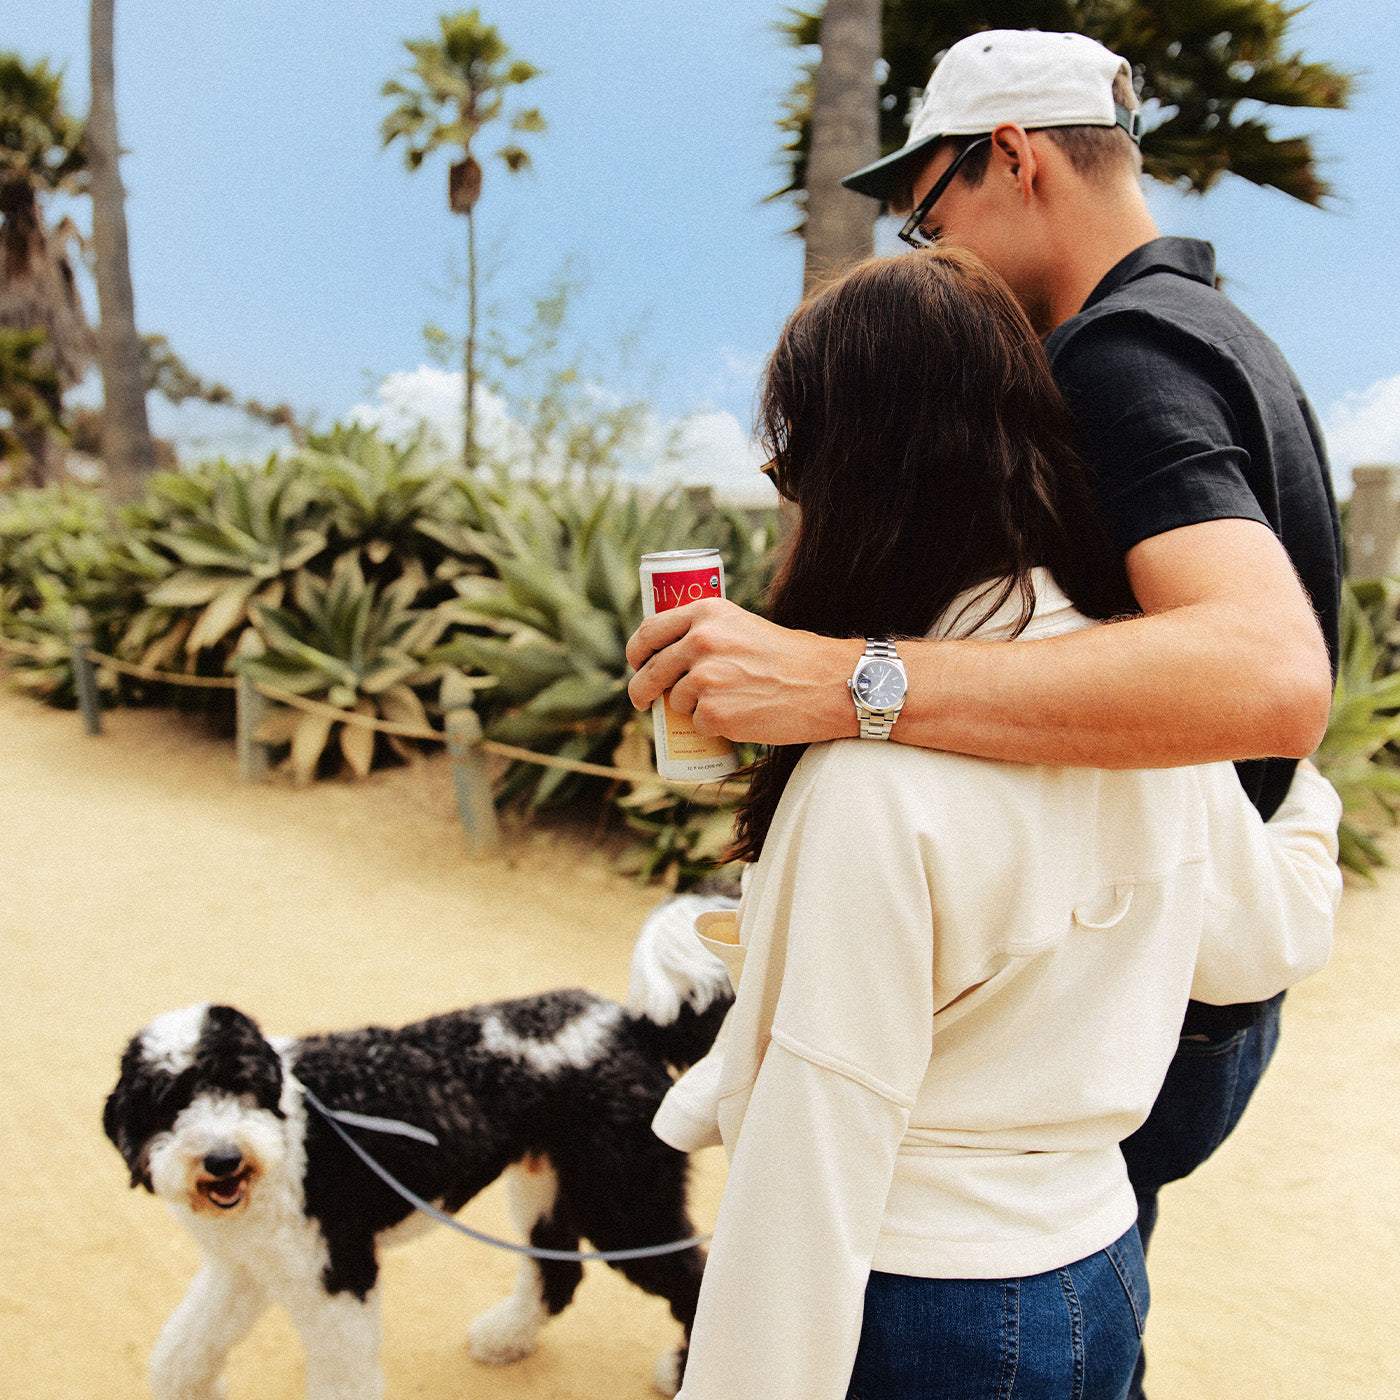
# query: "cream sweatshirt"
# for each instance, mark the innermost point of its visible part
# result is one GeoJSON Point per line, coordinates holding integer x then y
{"type": "Point", "coordinates": [962, 983]}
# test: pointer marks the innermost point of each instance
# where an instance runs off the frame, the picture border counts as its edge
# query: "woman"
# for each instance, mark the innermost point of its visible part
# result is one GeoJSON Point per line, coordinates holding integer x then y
{"type": "Point", "coordinates": [962, 980]}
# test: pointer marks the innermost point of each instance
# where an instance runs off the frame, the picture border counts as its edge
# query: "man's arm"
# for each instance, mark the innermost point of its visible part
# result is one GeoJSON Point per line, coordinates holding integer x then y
{"type": "Point", "coordinates": [1227, 662]}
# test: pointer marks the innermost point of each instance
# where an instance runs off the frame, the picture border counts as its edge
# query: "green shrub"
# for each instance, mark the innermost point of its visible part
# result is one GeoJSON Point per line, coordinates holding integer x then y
{"type": "Point", "coordinates": [229, 534]}
{"type": "Point", "coordinates": [354, 645]}
{"type": "Point", "coordinates": [551, 621]}
{"type": "Point", "coordinates": [364, 575]}
{"type": "Point", "coordinates": [377, 494]}
{"type": "Point", "coordinates": [370, 573]}
{"type": "Point", "coordinates": [1357, 754]}
{"type": "Point", "coordinates": [61, 548]}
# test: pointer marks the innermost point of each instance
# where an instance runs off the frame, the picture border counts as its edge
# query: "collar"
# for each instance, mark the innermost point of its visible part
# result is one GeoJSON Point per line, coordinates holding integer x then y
{"type": "Point", "coordinates": [1054, 613]}
{"type": "Point", "coordinates": [1191, 258]}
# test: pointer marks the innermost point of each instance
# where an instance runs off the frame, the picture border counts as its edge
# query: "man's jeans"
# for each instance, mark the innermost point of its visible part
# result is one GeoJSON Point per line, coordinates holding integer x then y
{"type": "Point", "coordinates": [1205, 1092]}
{"type": "Point", "coordinates": [1070, 1334]}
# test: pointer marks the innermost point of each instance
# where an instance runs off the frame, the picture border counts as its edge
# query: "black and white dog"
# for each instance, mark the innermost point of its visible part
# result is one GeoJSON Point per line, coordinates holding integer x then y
{"type": "Point", "coordinates": [557, 1091]}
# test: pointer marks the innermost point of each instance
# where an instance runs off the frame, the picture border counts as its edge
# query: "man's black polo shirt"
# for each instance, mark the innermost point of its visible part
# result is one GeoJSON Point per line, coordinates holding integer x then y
{"type": "Point", "coordinates": [1186, 411]}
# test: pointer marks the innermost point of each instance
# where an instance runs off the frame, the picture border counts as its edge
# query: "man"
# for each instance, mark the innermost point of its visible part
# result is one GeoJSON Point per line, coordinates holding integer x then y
{"type": "Point", "coordinates": [1209, 469]}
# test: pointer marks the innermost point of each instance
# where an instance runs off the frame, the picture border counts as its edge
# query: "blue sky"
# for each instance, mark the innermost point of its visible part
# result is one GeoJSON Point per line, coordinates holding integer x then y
{"type": "Point", "coordinates": [284, 253]}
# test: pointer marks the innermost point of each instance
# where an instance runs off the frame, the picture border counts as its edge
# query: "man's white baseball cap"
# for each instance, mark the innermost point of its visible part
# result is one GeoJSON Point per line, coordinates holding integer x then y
{"type": "Point", "coordinates": [1031, 77]}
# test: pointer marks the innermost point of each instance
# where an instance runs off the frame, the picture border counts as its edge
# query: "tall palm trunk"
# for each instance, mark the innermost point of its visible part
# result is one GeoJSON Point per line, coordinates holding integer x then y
{"type": "Point", "coordinates": [127, 447]}
{"type": "Point", "coordinates": [845, 135]}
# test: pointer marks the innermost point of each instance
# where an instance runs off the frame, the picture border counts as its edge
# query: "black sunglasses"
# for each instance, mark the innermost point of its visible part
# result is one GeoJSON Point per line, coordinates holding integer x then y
{"type": "Point", "coordinates": [770, 470]}
{"type": "Point", "coordinates": [912, 232]}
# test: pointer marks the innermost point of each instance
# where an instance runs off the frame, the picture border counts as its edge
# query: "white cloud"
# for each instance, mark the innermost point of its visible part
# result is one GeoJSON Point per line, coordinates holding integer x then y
{"type": "Point", "coordinates": [714, 449]}
{"type": "Point", "coordinates": [429, 400]}
{"type": "Point", "coordinates": [708, 447]}
{"type": "Point", "coordinates": [1365, 427]}
{"type": "Point", "coordinates": [409, 401]}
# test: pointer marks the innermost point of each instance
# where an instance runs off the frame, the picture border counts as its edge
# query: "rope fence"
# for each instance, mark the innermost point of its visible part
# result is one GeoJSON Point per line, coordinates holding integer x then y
{"type": "Point", "coordinates": [461, 734]}
{"type": "Point", "coordinates": [597, 770]}
{"type": "Point", "coordinates": [317, 707]}
{"type": "Point", "coordinates": [150, 673]}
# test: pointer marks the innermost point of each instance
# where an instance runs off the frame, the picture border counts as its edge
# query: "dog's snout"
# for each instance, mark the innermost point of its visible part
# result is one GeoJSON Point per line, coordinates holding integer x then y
{"type": "Point", "coordinates": [223, 1161]}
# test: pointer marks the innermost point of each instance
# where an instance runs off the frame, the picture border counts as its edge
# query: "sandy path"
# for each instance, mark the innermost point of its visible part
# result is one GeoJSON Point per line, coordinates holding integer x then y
{"type": "Point", "coordinates": [136, 875]}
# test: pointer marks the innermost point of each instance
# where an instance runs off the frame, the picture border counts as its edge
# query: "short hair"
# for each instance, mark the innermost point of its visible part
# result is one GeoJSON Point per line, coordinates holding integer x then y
{"type": "Point", "coordinates": [1100, 151]}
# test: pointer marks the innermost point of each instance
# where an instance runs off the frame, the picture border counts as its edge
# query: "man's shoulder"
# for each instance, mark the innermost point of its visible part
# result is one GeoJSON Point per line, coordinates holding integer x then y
{"type": "Point", "coordinates": [1164, 299]}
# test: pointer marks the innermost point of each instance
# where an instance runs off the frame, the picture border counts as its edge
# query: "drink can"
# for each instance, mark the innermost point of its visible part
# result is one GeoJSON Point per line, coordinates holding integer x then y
{"type": "Point", "coordinates": [669, 580]}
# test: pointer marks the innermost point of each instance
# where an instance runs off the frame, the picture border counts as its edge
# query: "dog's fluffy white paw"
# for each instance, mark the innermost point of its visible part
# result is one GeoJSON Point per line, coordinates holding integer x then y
{"type": "Point", "coordinates": [667, 1376]}
{"type": "Point", "coordinates": [507, 1332]}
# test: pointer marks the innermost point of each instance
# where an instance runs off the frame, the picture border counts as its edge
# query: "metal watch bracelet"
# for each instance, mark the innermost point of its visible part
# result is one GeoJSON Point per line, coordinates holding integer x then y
{"type": "Point", "coordinates": [877, 724]}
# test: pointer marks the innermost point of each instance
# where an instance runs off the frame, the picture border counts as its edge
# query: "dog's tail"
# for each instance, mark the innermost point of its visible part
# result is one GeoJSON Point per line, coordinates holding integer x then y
{"type": "Point", "coordinates": [678, 992]}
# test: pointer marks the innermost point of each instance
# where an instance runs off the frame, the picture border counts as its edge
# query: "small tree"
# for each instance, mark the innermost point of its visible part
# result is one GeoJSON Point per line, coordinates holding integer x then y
{"type": "Point", "coordinates": [456, 86]}
{"type": "Point", "coordinates": [30, 396]}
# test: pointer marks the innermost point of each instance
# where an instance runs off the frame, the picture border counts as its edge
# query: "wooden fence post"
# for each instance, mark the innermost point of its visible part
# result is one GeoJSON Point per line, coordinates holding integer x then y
{"type": "Point", "coordinates": [1373, 522]}
{"type": "Point", "coordinates": [84, 673]}
{"type": "Point", "coordinates": [252, 706]}
{"type": "Point", "coordinates": [476, 804]}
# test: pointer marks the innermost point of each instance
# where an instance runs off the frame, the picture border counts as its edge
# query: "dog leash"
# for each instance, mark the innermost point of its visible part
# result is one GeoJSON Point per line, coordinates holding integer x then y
{"type": "Point", "coordinates": [335, 1117]}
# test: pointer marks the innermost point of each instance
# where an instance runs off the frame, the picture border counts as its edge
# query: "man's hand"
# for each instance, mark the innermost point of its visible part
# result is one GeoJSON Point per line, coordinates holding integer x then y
{"type": "Point", "coordinates": [745, 678]}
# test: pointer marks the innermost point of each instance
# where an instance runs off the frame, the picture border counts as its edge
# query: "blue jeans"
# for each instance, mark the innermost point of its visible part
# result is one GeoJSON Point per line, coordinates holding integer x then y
{"type": "Point", "coordinates": [1205, 1092]}
{"type": "Point", "coordinates": [1070, 1334]}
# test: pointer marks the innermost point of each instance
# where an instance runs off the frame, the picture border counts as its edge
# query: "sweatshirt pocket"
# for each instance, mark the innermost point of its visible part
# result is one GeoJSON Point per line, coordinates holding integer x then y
{"type": "Point", "coordinates": [1105, 907]}
{"type": "Point", "coordinates": [721, 937]}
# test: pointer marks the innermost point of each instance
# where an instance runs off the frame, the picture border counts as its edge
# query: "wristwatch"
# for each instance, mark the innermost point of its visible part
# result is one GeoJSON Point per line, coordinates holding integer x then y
{"type": "Point", "coordinates": [878, 685]}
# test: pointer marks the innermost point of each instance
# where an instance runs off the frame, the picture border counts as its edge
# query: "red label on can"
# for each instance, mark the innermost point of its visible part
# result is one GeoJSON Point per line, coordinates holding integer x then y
{"type": "Point", "coordinates": [674, 590]}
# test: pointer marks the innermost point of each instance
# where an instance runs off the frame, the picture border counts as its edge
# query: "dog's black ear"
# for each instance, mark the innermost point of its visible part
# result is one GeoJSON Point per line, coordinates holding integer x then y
{"type": "Point", "coordinates": [122, 1114]}
{"type": "Point", "coordinates": [234, 1055]}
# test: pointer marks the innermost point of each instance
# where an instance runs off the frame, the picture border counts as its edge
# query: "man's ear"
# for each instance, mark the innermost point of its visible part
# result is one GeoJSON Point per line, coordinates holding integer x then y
{"type": "Point", "coordinates": [1013, 155]}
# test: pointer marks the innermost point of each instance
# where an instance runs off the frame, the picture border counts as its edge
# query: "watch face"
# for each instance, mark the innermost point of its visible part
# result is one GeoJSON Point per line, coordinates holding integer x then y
{"type": "Point", "coordinates": [879, 685]}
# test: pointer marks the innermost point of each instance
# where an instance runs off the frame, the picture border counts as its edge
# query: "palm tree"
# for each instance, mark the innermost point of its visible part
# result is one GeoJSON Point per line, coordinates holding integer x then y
{"type": "Point", "coordinates": [128, 449]}
{"type": "Point", "coordinates": [1214, 67]}
{"type": "Point", "coordinates": [48, 345]}
{"type": "Point", "coordinates": [31, 398]}
{"type": "Point", "coordinates": [454, 87]}
{"type": "Point", "coordinates": [844, 136]}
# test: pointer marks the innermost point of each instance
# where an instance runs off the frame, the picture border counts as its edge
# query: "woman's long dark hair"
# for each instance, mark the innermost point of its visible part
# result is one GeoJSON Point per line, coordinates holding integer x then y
{"type": "Point", "coordinates": [911, 415]}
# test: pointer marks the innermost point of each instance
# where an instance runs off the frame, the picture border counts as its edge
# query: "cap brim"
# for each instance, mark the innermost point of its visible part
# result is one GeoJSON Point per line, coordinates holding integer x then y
{"type": "Point", "coordinates": [881, 178]}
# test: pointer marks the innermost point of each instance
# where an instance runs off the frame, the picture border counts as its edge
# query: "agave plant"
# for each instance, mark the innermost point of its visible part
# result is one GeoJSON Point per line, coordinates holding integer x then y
{"type": "Point", "coordinates": [375, 492]}
{"type": "Point", "coordinates": [1356, 754]}
{"type": "Point", "coordinates": [60, 548]}
{"type": "Point", "coordinates": [552, 623]}
{"type": "Point", "coordinates": [41, 659]}
{"type": "Point", "coordinates": [685, 834]}
{"type": "Point", "coordinates": [351, 645]}
{"type": "Point", "coordinates": [233, 534]}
